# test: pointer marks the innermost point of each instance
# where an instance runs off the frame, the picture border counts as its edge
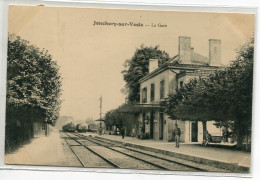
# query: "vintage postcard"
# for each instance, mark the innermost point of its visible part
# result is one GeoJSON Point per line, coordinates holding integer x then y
{"type": "Point", "coordinates": [130, 89]}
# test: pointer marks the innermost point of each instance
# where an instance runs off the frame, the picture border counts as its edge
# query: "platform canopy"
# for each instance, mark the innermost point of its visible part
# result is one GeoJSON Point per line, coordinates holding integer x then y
{"type": "Point", "coordinates": [100, 120]}
{"type": "Point", "coordinates": [136, 108]}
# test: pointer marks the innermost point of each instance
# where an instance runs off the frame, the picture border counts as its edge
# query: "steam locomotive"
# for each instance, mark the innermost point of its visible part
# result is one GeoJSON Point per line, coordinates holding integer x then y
{"type": "Point", "coordinates": [70, 127]}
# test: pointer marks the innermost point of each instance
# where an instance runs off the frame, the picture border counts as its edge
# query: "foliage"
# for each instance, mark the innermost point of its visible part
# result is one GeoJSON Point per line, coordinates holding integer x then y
{"type": "Point", "coordinates": [120, 120]}
{"type": "Point", "coordinates": [223, 96]}
{"type": "Point", "coordinates": [240, 74]}
{"type": "Point", "coordinates": [111, 118]}
{"type": "Point", "coordinates": [137, 67]}
{"type": "Point", "coordinates": [33, 80]}
{"type": "Point", "coordinates": [115, 118]}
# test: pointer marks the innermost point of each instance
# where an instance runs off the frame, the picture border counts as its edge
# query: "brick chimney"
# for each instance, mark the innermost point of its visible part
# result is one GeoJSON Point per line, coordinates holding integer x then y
{"type": "Point", "coordinates": [153, 64]}
{"type": "Point", "coordinates": [184, 50]}
{"type": "Point", "coordinates": [214, 52]}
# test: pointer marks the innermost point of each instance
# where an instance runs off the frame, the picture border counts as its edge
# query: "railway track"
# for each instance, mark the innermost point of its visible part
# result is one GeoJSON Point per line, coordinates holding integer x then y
{"type": "Point", "coordinates": [83, 154]}
{"type": "Point", "coordinates": [119, 156]}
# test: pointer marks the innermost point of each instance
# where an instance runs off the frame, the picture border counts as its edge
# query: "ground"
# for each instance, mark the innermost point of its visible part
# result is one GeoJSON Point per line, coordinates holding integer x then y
{"type": "Point", "coordinates": [59, 150]}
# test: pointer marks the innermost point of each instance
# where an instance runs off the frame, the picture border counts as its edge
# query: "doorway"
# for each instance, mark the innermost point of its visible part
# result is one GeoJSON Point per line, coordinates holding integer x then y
{"type": "Point", "coordinates": [161, 126]}
{"type": "Point", "coordinates": [151, 124]}
{"type": "Point", "coordinates": [194, 132]}
{"type": "Point", "coordinates": [143, 124]}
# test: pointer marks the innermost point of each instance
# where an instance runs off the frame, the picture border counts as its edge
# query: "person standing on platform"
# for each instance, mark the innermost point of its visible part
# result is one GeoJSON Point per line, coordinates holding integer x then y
{"type": "Point", "coordinates": [100, 131]}
{"type": "Point", "coordinates": [133, 132]}
{"type": "Point", "coordinates": [123, 132]}
{"type": "Point", "coordinates": [177, 134]}
{"type": "Point", "coordinates": [142, 131]}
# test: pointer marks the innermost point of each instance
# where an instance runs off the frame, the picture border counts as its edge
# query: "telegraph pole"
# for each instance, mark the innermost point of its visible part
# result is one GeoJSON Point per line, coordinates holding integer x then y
{"type": "Point", "coordinates": [100, 114]}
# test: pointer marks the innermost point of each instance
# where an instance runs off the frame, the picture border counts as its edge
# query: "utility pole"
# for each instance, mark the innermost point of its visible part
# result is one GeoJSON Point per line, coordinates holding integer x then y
{"type": "Point", "coordinates": [100, 114]}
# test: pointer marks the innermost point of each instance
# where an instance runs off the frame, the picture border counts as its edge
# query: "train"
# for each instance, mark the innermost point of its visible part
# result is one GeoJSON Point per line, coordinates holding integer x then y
{"type": "Point", "coordinates": [70, 127]}
{"type": "Point", "coordinates": [81, 129]}
{"type": "Point", "coordinates": [92, 128]}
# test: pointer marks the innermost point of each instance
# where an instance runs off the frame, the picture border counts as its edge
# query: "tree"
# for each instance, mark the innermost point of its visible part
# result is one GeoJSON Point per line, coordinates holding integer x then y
{"type": "Point", "coordinates": [138, 66]}
{"type": "Point", "coordinates": [233, 90]}
{"type": "Point", "coordinates": [114, 118]}
{"type": "Point", "coordinates": [191, 102]}
{"type": "Point", "coordinates": [33, 85]}
{"type": "Point", "coordinates": [121, 119]}
{"type": "Point", "coordinates": [240, 74]}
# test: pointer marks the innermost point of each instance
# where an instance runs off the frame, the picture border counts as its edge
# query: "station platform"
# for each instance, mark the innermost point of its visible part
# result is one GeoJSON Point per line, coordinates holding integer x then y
{"type": "Point", "coordinates": [214, 155]}
{"type": "Point", "coordinates": [41, 150]}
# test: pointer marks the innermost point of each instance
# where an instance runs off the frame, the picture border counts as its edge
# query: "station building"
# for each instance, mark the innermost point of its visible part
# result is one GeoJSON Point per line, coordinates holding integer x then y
{"type": "Point", "coordinates": [160, 82]}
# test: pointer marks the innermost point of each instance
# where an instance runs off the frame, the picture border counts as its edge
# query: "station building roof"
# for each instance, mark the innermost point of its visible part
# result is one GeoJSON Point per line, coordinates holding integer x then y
{"type": "Point", "coordinates": [198, 63]}
{"type": "Point", "coordinates": [137, 108]}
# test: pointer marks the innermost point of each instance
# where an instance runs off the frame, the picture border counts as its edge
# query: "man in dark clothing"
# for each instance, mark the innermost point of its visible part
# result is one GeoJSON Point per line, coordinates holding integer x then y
{"type": "Point", "coordinates": [123, 132]}
{"type": "Point", "coordinates": [142, 131]}
{"type": "Point", "coordinates": [176, 135]}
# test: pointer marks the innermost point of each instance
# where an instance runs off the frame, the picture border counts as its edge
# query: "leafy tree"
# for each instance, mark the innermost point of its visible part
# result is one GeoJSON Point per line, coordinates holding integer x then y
{"type": "Point", "coordinates": [118, 119]}
{"type": "Point", "coordinates": [240, 74]}
{"type": "Point", "coordinates": [233, 90]}
{"type": "Point", "coordinates": [33, 78]}
{"type": "Point", "coordinates": [137, 67]}
{"type": "Point", "coordinates": [191, 102]}
{"type": "Point", "coordinates": [33, 84]}
{"type": "Point", "coordinates": [114, 118]}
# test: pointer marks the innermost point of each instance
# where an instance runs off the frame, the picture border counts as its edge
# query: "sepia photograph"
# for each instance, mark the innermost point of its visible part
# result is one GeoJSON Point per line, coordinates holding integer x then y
{"type": "Point", "coordinates": [129, 89]}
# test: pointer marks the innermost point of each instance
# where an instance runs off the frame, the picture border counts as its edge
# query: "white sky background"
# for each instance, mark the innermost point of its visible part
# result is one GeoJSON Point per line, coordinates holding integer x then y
{"type": "Point", "coordinates": [92, 57]}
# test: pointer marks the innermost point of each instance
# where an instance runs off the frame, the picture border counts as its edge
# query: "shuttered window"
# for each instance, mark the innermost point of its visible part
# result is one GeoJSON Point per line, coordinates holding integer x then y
{"type": "Point", "coordinates": [162, 84]}
{"type": "Point", "coordinates": [152, 92]}
{"type": "Point", "coordinates": [144, 95]}
{"type": "Point", "coordinates": [181, 84]}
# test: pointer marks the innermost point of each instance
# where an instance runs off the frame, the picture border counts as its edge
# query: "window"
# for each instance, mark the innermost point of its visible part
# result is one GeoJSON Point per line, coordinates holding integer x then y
{"type": "Point", "coordinates": [144, 95]}
{"type": "Point", "coordinates": [181, 84]}
{"type": "Point", "coordinates": [162, 89]}
{"type": "Point", "coordinates": [152, 92]}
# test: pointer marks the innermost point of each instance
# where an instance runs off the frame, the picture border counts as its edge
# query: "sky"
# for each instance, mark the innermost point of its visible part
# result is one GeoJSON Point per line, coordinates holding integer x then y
{"type": "Point", "coordinates": [91, 57]}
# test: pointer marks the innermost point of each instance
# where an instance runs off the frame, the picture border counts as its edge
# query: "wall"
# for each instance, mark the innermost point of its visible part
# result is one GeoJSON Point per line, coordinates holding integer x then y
{"type": "Point", "coordinates": [200, 132]}
{"type": "Point", "coordinates": [213, 130]}
{"type": "Point", "coordinates": [156, 81]}
{"type": "Point", "coordinates": [171, 84]}
{"type": "Point", "coordinates": [170, 124]}
{"type": "Point", "coordinates": [156, 125]}
{"type": "Point", "coordinates": [169, 77]}
{"type": "Point", "coordinates": [187, 131]}
{"type": "Point", "coordinates": [38, 129]}
{"type": "Point", "coordinates": [186, 79]}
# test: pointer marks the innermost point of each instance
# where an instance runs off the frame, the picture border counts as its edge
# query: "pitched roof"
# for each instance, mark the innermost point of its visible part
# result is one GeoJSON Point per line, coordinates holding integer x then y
{"type": "Point", "coordinates": [196, 59]}
{"type": "Point", "coordinates": [199, 59]}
